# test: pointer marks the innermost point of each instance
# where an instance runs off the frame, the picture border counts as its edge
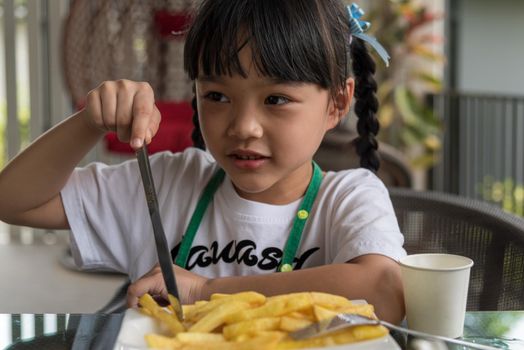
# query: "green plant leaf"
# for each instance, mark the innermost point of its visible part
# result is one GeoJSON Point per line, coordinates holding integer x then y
{"type": "Point", "coordinates": [386, 115]}
{"type": "Point", "coordinates": [410, 136]}
{"type": "Point", "coordinates": [385, 89]}
{"type": "Point", "coordinates": [431, 81]}
{"type": "Point", "coordinates": [404, 103]}
{"type": "Point", "coordinates": [433, 143]}
{"type": "Point", "coordinates": [424, 161]}
{"type": "Point", "coordinates": [430, 118]}
{"type": "Point", "coordinates": [414, 112]}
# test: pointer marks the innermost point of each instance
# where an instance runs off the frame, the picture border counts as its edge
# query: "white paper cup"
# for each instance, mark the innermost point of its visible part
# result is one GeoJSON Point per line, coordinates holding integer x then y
{"type": "Point", "coordinates": [436, 292]}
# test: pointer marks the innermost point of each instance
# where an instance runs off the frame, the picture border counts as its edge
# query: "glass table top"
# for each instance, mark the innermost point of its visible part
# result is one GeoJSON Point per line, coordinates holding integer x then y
{"type": "Point", "coordinates": [500, 329]}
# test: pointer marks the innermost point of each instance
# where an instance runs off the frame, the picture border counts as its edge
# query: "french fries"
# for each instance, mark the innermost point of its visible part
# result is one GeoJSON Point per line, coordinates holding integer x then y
{"type": "Point", "coordinates": [249, 320]}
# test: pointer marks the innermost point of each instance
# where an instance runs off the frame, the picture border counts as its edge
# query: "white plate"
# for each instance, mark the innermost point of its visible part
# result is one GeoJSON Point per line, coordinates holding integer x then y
{"type": "Point", "coordinates": [136, 325]}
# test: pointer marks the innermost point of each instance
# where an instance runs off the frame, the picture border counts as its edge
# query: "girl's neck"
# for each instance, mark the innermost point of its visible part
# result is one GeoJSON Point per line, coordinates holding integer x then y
{"type": "Point", "coordinates": [283, 192]}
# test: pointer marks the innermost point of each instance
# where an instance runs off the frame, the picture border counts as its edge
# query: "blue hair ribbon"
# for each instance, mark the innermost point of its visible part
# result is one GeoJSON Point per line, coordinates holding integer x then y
{"type": "Point", "coordinates": [358, 27]}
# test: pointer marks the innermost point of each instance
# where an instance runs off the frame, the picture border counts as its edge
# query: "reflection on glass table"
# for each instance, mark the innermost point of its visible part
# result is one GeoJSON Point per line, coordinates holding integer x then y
{"type": "Point", "coordinates": [58, 331]}
{"type": "Point", "coordinates": [500, 329]}
{"type": "Point", "coordinates": [503, 330]}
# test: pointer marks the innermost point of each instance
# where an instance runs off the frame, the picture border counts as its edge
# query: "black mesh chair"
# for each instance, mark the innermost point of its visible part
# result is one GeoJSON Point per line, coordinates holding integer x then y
{"type": "Point", "coordinates": [442, 223]}
{"type": "Point", "coordinates": [337, 152]}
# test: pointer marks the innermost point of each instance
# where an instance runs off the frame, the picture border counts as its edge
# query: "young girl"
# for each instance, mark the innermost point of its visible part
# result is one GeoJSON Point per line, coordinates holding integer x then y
{"type": "Point", "coordinates": [271, 77]}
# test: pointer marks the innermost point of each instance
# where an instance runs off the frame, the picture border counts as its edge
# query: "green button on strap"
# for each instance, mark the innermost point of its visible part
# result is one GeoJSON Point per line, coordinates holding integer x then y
{"type": "Point", "coordinates": [293, 241]}
{"type": "Point", "coordinates": [295, 235]}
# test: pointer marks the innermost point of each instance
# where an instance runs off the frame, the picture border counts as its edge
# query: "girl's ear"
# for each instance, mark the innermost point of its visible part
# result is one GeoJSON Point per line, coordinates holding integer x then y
{"type": "Point", "coordinates": [342, 103]}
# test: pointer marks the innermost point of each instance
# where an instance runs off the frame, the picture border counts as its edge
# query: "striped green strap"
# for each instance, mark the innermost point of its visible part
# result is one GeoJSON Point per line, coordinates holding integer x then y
{"type": "Point", "coordinates": [200, 210]}
{"type": "Point", "coordinates": [295, 235]}
{"type": "Point", "coordinates": [293, 241]}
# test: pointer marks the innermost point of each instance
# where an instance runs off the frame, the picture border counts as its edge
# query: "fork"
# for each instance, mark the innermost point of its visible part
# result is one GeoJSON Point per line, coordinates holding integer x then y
{"type": "Point", "coordinates": [341, 321]}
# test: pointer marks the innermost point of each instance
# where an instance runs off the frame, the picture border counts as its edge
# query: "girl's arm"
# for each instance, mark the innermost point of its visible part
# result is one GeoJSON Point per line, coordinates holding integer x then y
{"type": "Point", "coordinates": [374, 278]}
{"type": "Point", "coordinates": [30, 184]}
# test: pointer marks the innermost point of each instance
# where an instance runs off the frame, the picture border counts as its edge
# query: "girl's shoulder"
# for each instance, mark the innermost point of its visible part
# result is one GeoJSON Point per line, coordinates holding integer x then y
{"type": "Point", "coordinates": [191, 157]}
{"type": "Point", "coordinates": [351, 181]}
{"type": "Point", "coordinates": [192, 164]}
{"type": "Point", "coordinates": [354, 192]}
{"type": "Point", "coordinates": [355, 176]}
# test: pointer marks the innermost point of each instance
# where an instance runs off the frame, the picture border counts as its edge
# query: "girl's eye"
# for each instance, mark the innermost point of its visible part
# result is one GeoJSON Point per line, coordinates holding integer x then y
{"type": "Point", "coordinates": [216, 96]}
{"type": "Point", "coordinates": [276, 100]}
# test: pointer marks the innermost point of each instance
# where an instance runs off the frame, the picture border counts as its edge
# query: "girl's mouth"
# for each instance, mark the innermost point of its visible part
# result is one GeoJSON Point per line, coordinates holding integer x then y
{"type": "Point", "coordinates": [250, 162]}
{"type": "Point", "coordinates": [248, 157]}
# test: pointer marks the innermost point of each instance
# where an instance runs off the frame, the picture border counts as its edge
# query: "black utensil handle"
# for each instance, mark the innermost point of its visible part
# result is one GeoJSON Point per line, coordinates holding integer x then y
{"type": "Point", "coordinates": [164, 255]}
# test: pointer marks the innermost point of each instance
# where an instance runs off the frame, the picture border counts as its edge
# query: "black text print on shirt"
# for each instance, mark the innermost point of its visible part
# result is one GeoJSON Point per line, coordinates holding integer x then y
{"type": "Point", "coordinates": [241, 252]}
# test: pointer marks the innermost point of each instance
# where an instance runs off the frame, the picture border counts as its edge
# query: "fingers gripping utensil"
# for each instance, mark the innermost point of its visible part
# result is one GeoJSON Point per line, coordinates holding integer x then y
{"type": "Point", "coordinates": [341, 321]}
{"type": "Point", "coordinates": [164, 255]}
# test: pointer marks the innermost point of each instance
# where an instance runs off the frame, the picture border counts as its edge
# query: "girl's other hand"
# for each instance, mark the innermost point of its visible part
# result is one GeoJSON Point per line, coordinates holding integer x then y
{"type": "Point", "coordinates": [126, 107]}
{"type": "Point", "coordinates": [190, 286]}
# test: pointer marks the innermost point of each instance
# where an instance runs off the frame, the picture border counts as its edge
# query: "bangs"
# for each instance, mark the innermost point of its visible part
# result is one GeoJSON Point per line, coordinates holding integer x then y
{"type": "Point", "coordinates": [285, 40]}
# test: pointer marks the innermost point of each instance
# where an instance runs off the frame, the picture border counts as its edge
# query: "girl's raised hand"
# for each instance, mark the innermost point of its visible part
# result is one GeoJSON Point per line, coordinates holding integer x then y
{"type": "Point", "coordinates": [124, 106]}
{"type": "Point", "coordinates": [190, 286]}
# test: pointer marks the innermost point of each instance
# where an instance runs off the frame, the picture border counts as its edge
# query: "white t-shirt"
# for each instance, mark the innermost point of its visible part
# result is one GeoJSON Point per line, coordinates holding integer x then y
{"type": "Point", "coordinates": [111, 229]}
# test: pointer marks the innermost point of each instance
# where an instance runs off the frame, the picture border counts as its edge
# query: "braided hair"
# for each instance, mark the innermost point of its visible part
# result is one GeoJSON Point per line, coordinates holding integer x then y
{"type": "Point", "coordinates": [366, 105]}
{"type": "Point", "coordinates": [294, 40]}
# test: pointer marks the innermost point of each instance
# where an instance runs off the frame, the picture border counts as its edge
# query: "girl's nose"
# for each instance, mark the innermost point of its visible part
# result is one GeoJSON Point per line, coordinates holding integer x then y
{"type": "Point", "coordinates": [245, 124]}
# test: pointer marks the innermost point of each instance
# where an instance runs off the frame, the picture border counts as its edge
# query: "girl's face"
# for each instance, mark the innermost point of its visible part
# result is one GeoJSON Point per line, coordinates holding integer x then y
{"type": "Point", "coordinates": [263, 132]}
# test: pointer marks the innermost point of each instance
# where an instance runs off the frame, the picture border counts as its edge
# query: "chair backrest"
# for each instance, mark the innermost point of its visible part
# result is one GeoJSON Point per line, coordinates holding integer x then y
{"type": "Point", "coordinates": [337, 152]}
{"type": "Point", "coordinates": [443, 223]}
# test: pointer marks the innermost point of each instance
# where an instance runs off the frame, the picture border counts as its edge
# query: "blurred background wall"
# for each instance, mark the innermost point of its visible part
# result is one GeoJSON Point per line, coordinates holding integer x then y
{"type": "Point", "coordinates": [482, 103]}
{"type": "Point", "coordinates": [490, 48]}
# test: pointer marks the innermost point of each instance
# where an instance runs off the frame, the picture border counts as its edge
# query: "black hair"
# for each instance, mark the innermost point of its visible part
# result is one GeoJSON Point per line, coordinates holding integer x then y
{"type": "Point", "coordinates": [291, 40]}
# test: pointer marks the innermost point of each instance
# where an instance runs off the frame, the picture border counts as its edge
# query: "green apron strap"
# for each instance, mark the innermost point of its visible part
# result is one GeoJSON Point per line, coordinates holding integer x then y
{"type": "Point", "coordinates": [192, 228]}
{"type": "Point", "coordinates": [295, 235]}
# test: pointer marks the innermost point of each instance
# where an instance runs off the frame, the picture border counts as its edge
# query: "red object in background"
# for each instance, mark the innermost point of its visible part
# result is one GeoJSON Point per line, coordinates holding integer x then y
{"type": "Point", "coordinates": [173, 135]}
{"type": "Point", "coordinates": [171, 23]}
